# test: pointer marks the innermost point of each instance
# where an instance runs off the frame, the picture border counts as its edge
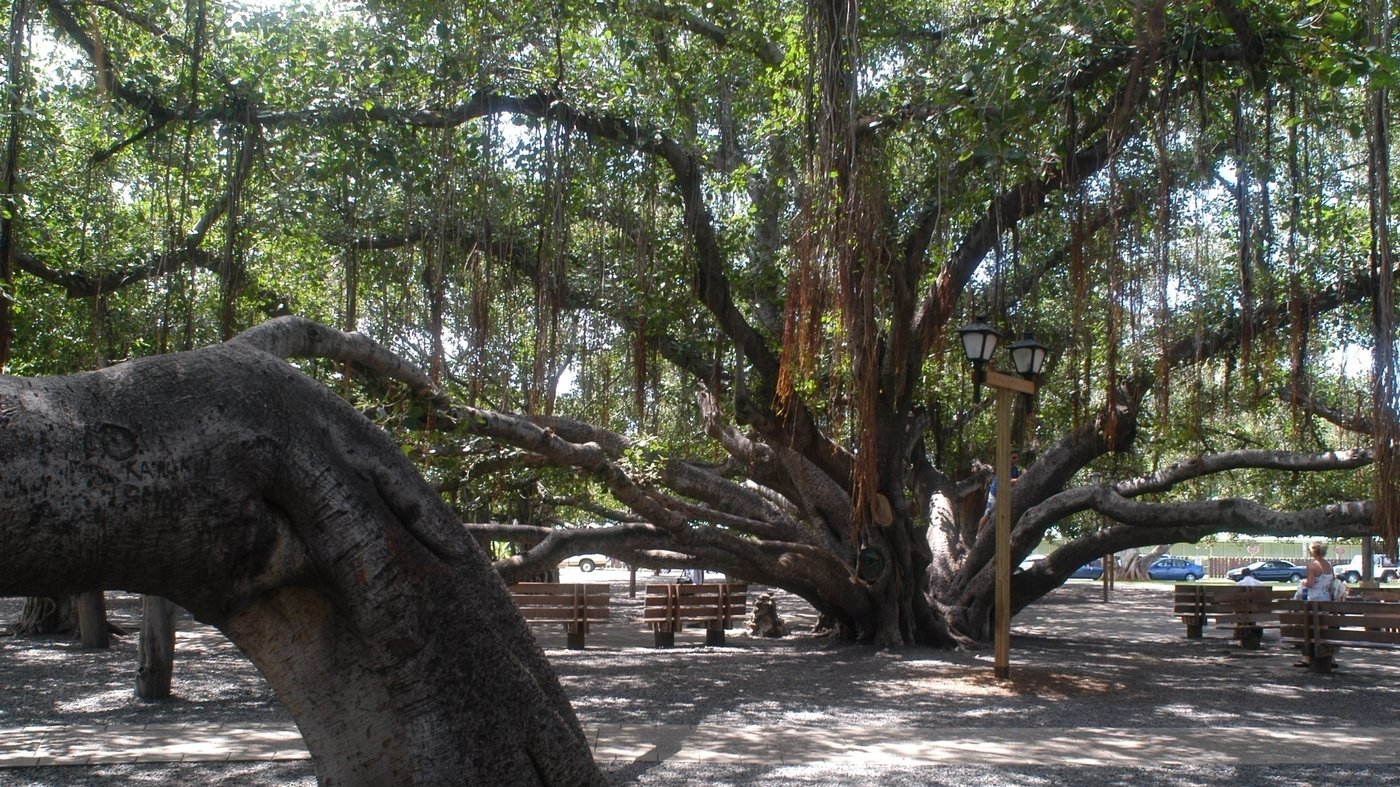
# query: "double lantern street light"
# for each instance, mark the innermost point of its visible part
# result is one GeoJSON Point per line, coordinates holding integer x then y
{"type": "Point", "coordinates": [1028, 356]}
{"type": "Point", "coordinates": [980, 341]}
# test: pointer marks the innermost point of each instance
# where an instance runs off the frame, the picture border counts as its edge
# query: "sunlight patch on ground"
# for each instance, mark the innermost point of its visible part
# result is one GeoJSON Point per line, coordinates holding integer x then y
{"type": "Point", "coordinates": [807, 717]}
{"type": "Point", "coordinates": [992, 712]}
{"type": "Point", "coordinates": [1177, 711]}
{"type": "Point", "coordinates": [1206, 717]}
{"type": "Point", "coordinates": [1040, 682]}
{"type": "Point", "coordinates": [39, 657]}
{"type": "Point", "coordinates": [98, 701]}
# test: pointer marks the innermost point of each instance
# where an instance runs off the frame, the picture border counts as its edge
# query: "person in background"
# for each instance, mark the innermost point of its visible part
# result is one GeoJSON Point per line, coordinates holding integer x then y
{"type": "Point", "coordinates": [1247, 578]}
{"type": "Point", "coordinates": [992, 490]}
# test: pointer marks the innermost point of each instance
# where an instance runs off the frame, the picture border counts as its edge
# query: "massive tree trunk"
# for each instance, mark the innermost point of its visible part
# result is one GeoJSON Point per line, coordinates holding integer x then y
{"type": "Point", "coordinates": [242, 490]}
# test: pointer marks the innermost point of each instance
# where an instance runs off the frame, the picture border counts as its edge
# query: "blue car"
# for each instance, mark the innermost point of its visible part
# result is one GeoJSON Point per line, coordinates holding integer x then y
{"type": "Point", "coordinates": [1091, 570]}
{"type": "Point", "coordinates": [1176, 568]}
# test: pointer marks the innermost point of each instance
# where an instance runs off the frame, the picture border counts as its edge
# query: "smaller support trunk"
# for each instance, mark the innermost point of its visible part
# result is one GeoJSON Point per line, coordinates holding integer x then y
{"type": "Point", "coordinates": [92, 620]}
{"type": "Point", "coordinates": [157, 650]}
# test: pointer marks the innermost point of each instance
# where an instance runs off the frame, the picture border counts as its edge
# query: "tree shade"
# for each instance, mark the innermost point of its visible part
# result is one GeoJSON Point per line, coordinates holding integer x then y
{"type": "Point", "coordinates": [790, 206]}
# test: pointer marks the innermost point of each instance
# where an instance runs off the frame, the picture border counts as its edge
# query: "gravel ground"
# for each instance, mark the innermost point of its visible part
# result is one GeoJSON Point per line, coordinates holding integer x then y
{"type": "Point", "coordinates": [1076, 662]}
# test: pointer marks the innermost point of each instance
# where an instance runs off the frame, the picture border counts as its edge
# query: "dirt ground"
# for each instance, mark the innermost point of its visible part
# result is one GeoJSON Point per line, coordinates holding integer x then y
{"type": "Point", "coordinates": [1076, 662]}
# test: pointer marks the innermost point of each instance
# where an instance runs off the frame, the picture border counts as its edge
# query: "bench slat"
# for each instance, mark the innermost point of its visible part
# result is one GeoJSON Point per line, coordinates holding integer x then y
{"type": "Point", "coordinates": [563, 602]}
{"type": "Point", "coordinates": [592, 614]}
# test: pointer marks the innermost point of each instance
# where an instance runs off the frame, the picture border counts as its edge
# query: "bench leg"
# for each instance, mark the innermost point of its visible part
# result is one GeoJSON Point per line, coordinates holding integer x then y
{"type": "Point", "coordinates": [714, 634]}
{"type": "Point", "coordinates": [575, 640]}
{"type": "Point", "coordinates": [1320, 658]}
{"type": "Point", "coordinates": [1195, 628]}
{"type": "Point", "coordinates": [665, 639]}
{"type": "Point", "coordinates": [1250, 637]}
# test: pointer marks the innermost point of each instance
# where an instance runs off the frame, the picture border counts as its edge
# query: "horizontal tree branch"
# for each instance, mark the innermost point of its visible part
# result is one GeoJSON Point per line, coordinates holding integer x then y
{"type": "Point", "coordinates": [1310, 404]}
{"type": "Point", "coordinates": [1101, 497]}
{"type": "Point", "coordinates": [767, 52]}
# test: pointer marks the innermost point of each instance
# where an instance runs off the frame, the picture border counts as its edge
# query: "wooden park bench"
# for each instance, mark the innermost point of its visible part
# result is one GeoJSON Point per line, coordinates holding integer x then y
{"type": "Point", "coordinates": [1354, 593]}
{"type": "Point", "coordinates": [1318, 628]}
{"type": "Point", "coordinates": [716, 605]}
{"type": "Point", "coordinates": [574, 605]}
{"type": "Point", "coordinates": [1245, 609]}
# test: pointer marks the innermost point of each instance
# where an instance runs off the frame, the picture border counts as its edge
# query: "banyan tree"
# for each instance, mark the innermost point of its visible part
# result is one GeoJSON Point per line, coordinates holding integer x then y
{"type": "Point", "coordinates": [691, 274]}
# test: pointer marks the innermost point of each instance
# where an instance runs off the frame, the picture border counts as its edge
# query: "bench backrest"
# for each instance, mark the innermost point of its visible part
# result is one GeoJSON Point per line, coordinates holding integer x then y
{"type": "Point", "coordinates": [1390, 595]}
{"type": "Point", "coordinates": [703, 603]}
{"type": "Point", "coordinates": [562, 602]}
{"type": "Point", "coordinates": [1197, 599]}
{"type": "Point", "coordinates": [1340, 622]}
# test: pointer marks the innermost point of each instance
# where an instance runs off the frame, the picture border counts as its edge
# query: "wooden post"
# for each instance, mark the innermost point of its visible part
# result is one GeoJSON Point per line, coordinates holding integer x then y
{"type": "Point", "coordinates": [92, 620]}
{"type": "Point", "coordinates": [1003, 534]}
{"type": "Point", "coordinates": [665, 632]}
{"type": "Point", "coordinates": [157, 649]}
{"type": "Point", "coordinates": [1005, 386]}
{"type": "Point", "coordinates": [577, 630]}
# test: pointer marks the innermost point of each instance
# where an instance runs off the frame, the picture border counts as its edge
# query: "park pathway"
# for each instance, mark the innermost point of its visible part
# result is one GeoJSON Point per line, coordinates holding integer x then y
{"type": "Point", "coordinates": [911, 747]}
{"type": "Point", "coordinates": [1104, 686]}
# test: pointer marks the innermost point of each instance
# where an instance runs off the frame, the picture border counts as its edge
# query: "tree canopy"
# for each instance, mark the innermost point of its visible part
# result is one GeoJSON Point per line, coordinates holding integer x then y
{"type": "Point", "coordinates": [693, 272]}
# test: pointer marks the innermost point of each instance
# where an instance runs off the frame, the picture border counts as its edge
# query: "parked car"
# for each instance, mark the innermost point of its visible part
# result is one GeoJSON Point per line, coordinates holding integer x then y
{"type": "Point", "coordinates": [1382, 568]}
{"type": "Point", "coordinates": [587, 563]}
{"type": "Point", "coordinates": [1177, 568]}
{"type": "Point", "coordinates": [1030, 562]}
{"type": "Point", "coordinates": [1091, 570]}
{"type": "Point", "coordinates": [1270, 571]}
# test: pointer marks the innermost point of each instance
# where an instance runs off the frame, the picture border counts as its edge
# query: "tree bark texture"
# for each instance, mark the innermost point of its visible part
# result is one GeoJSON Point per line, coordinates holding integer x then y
{"type": "Point", "coordinates": [230, 483]}
{"type": "Point", "coordinates": [156, 655]}
{"type": "Point", "coordinates": [92, 620]}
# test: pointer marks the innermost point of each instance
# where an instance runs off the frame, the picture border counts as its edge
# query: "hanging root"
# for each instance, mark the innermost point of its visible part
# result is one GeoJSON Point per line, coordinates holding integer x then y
{"type": "Point", "coordinates": [41, 616]}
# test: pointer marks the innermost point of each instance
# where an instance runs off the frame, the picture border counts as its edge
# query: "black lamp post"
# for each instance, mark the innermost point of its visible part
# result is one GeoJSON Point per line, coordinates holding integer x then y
{"type": "Point", "coordinates": [979, 342]}
{"type": "Point", "coordinates": [1028, 355]}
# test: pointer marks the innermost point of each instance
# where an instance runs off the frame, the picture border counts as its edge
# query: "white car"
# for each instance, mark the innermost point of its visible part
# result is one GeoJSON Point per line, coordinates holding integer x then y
{"type": "Point", "coordinates": [1030, 562]}
{"type": "Point", "coordinates": [586, 563]}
